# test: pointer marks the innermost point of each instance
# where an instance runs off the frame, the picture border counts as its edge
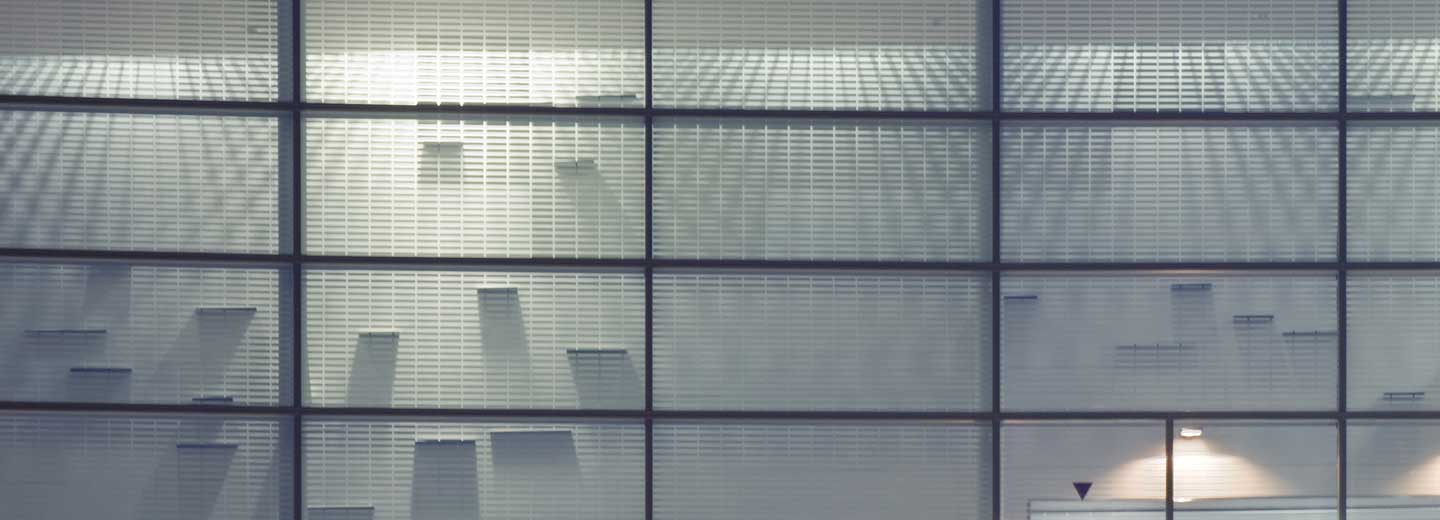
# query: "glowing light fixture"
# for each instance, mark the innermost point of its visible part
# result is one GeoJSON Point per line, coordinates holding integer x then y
{"type": "Point", "coordinates": [1184, 500]}
{"type": "Point", "coordinates": [1191, 432]}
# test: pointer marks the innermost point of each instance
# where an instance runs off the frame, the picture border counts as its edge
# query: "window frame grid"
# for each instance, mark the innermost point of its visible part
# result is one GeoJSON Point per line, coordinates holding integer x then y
{"type": "Point", "coordinates": [292, 109]}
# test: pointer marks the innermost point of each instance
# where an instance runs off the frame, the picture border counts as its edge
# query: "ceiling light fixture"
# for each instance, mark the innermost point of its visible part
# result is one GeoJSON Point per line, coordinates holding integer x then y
{"type": "Point", "coordinates": [1191, 432]}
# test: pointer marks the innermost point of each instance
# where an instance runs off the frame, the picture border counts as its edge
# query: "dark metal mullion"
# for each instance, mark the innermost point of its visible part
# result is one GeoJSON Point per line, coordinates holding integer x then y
{"type": "Point", "coordinates": [996, 117]}
{"type": "Point", "coordinates": [297, 275]}
{"type": "Point", "coordinates": [1342, 254]}
{"type": "Point", "coordinates": [649, 259]}
{"type": "Point", "coordinates": [1170, 468]}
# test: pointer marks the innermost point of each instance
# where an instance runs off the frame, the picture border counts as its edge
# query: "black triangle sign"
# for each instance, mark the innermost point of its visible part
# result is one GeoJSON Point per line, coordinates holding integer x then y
{"type": "Point", "coordinates": [1083, 488]}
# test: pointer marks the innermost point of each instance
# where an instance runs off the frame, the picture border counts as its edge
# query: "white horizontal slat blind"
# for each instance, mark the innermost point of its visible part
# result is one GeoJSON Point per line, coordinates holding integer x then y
{"type": "Point", "coordinates": [498, 186]}
{"type": "Point", "coordinates": [163, 49]}
{"type": "Point", "coordinates": [1137, 192]}
{"type": "Point", "coordinates": [1149, 55]}
{"type": "Point", "coordinates": [1393, 191]}
{"type": "Point", "coordinates": [821, 341]}
{"type": "Point", "coordinates": [510, 471]}
{"type": "Point", "coordinates": [155, 467]}
{"type": "Point", "coordinates": [1394, 55]}
{"type": "Point", "coordinates": [119, 181]}
{"type": "Point", "coordinates": [1393, 321]}
{"type": "Point", "coordinates": [832, 470]}
{"type": "Point", "coordinates": [457, 339]}
{"type": "Point", "coordinates": [531, 52]}
{"type": "Point", "coordinates": [1168, 341]}
{"type": "Point", "coordinates": [778, 189]}
{"type": "Point", "coordinates": [817, 54]}
{"type": "Point", "coordinates": [113, 332]}
{"type": "Point", "coordinates": [1392, 458]}
{"type": "Point", "coordinates": [1254, 470]}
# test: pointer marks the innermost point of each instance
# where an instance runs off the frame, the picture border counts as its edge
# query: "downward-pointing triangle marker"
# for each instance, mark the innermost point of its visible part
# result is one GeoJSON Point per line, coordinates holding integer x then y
{"type": "Point", "coordinates": [1082, 488]}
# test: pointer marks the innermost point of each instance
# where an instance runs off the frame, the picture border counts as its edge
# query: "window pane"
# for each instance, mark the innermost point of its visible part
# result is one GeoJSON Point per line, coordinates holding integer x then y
{"type": "Point", "coordinates": [1145, 192]}
{"type": "Point", "coordinates": [1169, 341]}
{"type": "Point", "coordinates": [529, 52]}
{"type": "Point", "coordinates": [821, 54]}
{"type": "Point", "coordinates": [821, 341]}
{"type": "Point", "coordinates": [133, 181]}
{"type": "Point", "coordinates": [1149, 55]}
{"type": "Point", "coordinates": [833, 470]}
{"type": "Point", "coordinates": [1391, 55]}
{"type": "Point", "coordinates": [1097, 470]}
{"type": "Point", "coordinates": [164, 49]}
{"type": "Point", "coordinates": [364, 468]}
{"type": "Point", "coordinates": [1392, 470]}
{"type": "Point", "coordinates": [144, 333]}
{"type": "Point", "coordinates": [1394, 319]}
{"type": "Point", "coordinates": [453, 339]}
{"type": "Point", "coordinates": [144, 467]}
{"type": "Point", "coordinates": [779, 189]}
{"type": "Point", "coordinates": [1394, 192]}
{"type": "Point", "coordinates": [1246, 470]}
{"type": "Point", "coordinates": [496, 186]}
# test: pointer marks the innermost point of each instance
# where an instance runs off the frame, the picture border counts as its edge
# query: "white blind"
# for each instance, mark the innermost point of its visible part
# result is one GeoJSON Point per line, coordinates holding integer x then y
{"type": "Point", "coordinates": [165, 49]}
{"type": "Point", "coordinates": [817, 54]}
{"type": "Point", "coordinates": [426, 338]}
{"type": "Point", "coordinates": [120, 333]}
{"type": "Point", "coordinates": [1168, 341]}
{"type": "Point", "coordinates": [156, 467]}
{"type": "Point", "coordinates": [1392, 186]}
{"type": "Point", "coordinates": [1123, 464]}
{"type": "Point", "coordinates": [447, 470]}
{"type": "Point", "coordinates": [129, 181]}
{"type": "Point", "coordinates": [1148, 55]}
{"type": "Point", "coordinates": [498, 186]}
{"type": "Point", "coordinates": [545, 52]}
{"type": "Point", "coordinates": [1394, 55]}
{"type": "Point", "coordinates": [833, 470]}
{"type": "Point", "coordinates": [1393, 320]}
{"type": "Point", "coordinates": [1145, 192]}
{"type": "Point", "coordinates": [827, 341]}
{"type": "Point", "coordinates": [814, 189]}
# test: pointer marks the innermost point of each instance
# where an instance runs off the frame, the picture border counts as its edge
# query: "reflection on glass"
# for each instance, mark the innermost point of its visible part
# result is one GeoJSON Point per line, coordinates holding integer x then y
{"type": "Point", "coordinates": [434, 470]}
{"type": "Point", "coordinates": [453, 339]}
{"type": "Point", "coordinates": [495, 186]}
{"type": "Point", "coordinates": [821, 341]}
{"type": "Point", "coordinates": [1237, 470]}
{"type": "Point", "coordinates": [142, 181]}
{"type": "Point", "coordinates": [168, 467]}
{"type": "Point", "coordinates": [832, 470]}
{"type": "Point", "coordinates": [1092, 470]}
{"type": "Point", "coordinates": [159, 49]}
{"type": "Point", "coordinates": [1392, 49]}
{"type": "Point", "coordinates": [1393, 470]}
{"type": "Point", "coordinates": [807, 189]}
{"type": "Point", "coordinates": [1167, 341]}
{"type": "Point", "coordinates": [817, 55]}
{"type": "Point", "coordinates": [1132, 192]}
{"type": "Point", "coordinates": [1393, 321]}
{"type": "Point", "coordinates": [1392, 212]}
{"type": "Point", "coordinates": [144, 333]}
{"type": "Point", "coordinates": [1165, 55]}
{"type": "Point", "coordinates": [582, 53]}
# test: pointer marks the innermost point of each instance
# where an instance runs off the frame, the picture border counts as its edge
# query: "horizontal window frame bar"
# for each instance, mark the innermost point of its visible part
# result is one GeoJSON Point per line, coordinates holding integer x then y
{"type": "Point", "coordinates": [209, 106]}
{"type": "Point", "coordinates": [658, 263]}
{"type": "Point", "coordinates": [638, 414]}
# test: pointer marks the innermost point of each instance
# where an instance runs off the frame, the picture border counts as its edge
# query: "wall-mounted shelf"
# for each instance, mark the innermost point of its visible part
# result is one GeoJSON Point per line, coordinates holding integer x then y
{"type": "Point", "coordinates": [1021, 297]}
{"type": "Point", "coordinates": [1253, 318]}
{"type": "Point", "coordinates": [213, 399]}
{"type": "Point", "coordinates": [207, 446]}
{"type": "Point", "coordinates": [1309, 333]}
{"type": "Point", "coordinates": [380, 334]}
{"type": "Point", "coordinates": [1192, 287]}
{"type": "Point", "coordinates": [225, 311]}
{"type": "Point", "coordinates": [596, 352]}
{"type": "Point", "coordinates": [445, 442]}
{"type": "Point", "coordinates": [575, 167]}
{"type": "Point", "coordinates": [1156, 347]}
{"type": "Point", "coordinates": [65, 332]}
{"type": "Point", "coordinates": [1403, 396]}
{"type": "Point", "coordinates": [107, 371]}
